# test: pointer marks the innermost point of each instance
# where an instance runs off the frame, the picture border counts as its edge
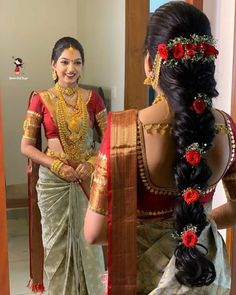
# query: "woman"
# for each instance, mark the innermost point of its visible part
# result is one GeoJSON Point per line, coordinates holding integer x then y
{"type": "Point", "coordinates": [155, 177]}
{"type": "Point", "coordinates": [68, 114]}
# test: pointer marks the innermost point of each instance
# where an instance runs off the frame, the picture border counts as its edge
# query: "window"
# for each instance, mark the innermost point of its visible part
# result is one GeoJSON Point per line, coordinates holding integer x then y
{"type": "Point", "coordinates": [154, 4]}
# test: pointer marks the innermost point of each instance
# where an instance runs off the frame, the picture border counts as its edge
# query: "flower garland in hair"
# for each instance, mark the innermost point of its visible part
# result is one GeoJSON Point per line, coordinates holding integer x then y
{"type": "Point", "coordinates": [188, 237]}
{"type": "Point", "coordinates": [196, 48]}
{"type": "Point", "coordinates": [193, 154]}
{"type": "Point", "coordinates": [191, 195]}
{"type": "Point", "coordinates": [200, 103]}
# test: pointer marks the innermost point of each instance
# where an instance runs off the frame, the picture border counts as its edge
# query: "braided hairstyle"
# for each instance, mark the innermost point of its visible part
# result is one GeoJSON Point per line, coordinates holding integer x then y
{"type": "Point", "coordinates": [181, 84]}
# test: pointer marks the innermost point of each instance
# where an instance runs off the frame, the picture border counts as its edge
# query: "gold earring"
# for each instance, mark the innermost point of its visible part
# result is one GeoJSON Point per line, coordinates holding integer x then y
{"type": "Point", "coordinates": [148, 80]}
{"type": "Point", "coordinates": [54, 75]}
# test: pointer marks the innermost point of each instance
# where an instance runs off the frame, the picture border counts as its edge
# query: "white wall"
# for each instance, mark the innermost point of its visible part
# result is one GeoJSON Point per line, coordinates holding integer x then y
{"type": "Point", "coordinates": [221, 14]}
{"type": "Point", "coordinates": [102, 33]}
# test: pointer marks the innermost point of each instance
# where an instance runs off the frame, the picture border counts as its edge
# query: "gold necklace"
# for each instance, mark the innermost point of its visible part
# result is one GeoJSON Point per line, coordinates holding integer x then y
{"type": "Point", "coordinates": [73, 126]}
{"type": "Point", "coordinates": [66, 90]}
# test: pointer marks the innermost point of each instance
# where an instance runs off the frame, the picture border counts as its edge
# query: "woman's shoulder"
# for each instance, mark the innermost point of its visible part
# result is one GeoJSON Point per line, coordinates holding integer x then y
{"type": "Point", "coordinates": [158, 113]}
{"type": "Point", "coordinates": [39, 93]}
{"type": "Point", "coordinates": [42, 97]}
{"type": "Point", "coordinates": [222, 116]}
{"type": "Point", "coordinates": [87, 94]}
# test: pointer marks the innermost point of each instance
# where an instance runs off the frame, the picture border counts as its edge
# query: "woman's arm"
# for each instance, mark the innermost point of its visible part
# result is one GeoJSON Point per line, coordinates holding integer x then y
{"type": "Point", "coordinates": [30, 151]}
{"type": "Point", "coordinates": [95, 224]}
{"type": "Point", "coordinates": [95, 228]}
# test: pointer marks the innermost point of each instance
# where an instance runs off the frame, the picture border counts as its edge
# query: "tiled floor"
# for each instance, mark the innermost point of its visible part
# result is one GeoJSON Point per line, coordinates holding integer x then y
{"type": "Point", "coordinates": [17, 222]}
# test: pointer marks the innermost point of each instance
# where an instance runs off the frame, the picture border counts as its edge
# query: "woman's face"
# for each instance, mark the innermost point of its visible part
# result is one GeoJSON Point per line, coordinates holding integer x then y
{"type": "Point", "coordinates": [68, 67]}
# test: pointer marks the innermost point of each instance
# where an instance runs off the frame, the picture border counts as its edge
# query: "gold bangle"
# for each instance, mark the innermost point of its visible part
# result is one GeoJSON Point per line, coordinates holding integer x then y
{"type": "Point", "coordinates": [91, 167]}
{"type": "Point", "coordinates": [56, 166]}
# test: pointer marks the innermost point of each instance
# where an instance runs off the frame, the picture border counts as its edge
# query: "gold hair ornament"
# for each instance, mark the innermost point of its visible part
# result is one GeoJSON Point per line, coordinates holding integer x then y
{"type": "Point", "coordinates": [71, 48]}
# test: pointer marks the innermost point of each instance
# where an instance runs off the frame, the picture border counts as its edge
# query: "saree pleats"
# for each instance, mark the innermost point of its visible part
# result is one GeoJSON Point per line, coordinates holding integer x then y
{"type": "Point", "coordinates": [156, 262]}
{"type": "Point", "coordinates": [72, 266]}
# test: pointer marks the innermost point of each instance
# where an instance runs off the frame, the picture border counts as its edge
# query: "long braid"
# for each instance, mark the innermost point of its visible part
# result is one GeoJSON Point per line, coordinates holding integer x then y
{"type": "Point", "coordinates": [181, 84]}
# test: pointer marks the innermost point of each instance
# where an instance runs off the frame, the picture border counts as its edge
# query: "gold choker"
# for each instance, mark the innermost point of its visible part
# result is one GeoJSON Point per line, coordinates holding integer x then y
{"type": "Point", "coordinates": [69, 91]}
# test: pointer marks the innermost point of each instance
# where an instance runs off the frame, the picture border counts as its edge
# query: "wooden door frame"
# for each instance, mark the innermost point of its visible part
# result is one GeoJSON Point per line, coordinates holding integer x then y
{"type": "Point", "coordinates": [197, 3]}
{"type": "Point", "coordinates": [136, 19]}
{"type": "Point", "coordinates": [4, 266]}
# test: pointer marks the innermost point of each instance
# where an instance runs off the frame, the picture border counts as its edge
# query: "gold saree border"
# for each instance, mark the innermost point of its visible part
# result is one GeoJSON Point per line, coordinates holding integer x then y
{"type": "Point", "coordinates": [123, 163]}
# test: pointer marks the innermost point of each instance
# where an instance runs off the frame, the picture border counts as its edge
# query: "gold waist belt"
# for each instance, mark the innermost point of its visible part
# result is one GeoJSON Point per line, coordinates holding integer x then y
{"type": "Point", "coordinates": [64, 157]}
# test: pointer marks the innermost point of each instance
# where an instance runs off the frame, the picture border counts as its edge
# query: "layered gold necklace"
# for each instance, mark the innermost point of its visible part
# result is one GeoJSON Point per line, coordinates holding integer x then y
{"type": "Point", "coordinates": [72, 119]}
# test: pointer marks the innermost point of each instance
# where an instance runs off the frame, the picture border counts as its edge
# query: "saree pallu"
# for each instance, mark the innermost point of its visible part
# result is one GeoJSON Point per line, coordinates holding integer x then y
{"type": "Point", "coordinates": [72, 266]}
{"type": "Point", "coordinates": [156, 262]}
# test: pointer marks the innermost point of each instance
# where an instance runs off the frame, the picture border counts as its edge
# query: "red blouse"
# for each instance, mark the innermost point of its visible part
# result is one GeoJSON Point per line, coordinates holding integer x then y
{"type": "Point", "coordinates": [94, 106]}
{"type": "Point", "coordinates": [153, 202]}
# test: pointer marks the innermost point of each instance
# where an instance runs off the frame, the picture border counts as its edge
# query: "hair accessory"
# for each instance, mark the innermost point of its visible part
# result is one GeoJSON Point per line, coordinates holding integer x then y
{"type": "Point", "coordinates": [200, 103]}
{"type": "Point", "coordinates": [153, 77]}
{"type": "Point", "coordinates": [181, 49]}
{"type": "Point", "coordinates": [71, 48]}
{"type": "Point", "coordinates": [54, 75]}
{"type": "Point", "coordinates": [193, 154]}
{"type": "Point", "coordinates": [191, 195]}
{"type": "Point", "coordinates": [188, 237]}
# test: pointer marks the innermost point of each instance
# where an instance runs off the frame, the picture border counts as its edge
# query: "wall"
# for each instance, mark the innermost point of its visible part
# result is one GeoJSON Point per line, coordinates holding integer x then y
{"type": "Point", "coordinates": [221, 14]}
{"type": "Point", "coordinates": [102, 32]}
{"type": "Point", "coordinates": [28, 29]}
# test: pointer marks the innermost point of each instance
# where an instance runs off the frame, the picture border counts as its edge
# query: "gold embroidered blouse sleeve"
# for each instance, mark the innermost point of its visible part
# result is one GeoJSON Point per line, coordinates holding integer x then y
{"type": "Point", "coordinates": [31, 124]}
{"type": "Point", "coordinates": [98, 194]}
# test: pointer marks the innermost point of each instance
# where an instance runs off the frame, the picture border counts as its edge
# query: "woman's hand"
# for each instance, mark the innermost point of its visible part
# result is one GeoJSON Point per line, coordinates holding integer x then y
{"type": "Point", "coordinates": [68, 173]}
{"type": "Point", "coordinates": [84, 170]}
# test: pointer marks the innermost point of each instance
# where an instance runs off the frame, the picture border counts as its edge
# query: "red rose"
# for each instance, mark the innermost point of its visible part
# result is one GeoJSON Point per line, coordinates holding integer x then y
{"type": "Point", "coordinates": [211, 50]}
{"type": "Point", "coordinates": [163, 51]}
{"type": "Point", "coordinates": [189, 238]}
{"type": "Point", "coordinates": [193, 157]}
{"type": "Point", "coordinates": [190, 50]}
{"type": "Point", "coordinates": [201, 46]}
{"type": "Point", "coordinates": [199, 105]}
{"type": "Point", "coordinates": [191, 195]}
{"type": "Point", "coordinates": [178, 50]}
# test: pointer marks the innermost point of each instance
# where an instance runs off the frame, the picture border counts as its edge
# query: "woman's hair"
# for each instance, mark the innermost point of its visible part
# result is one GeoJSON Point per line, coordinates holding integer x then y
{"type": "Point", "coordinates": [65, 43]}
{"type": "Point", "coordinates": [181, 83]}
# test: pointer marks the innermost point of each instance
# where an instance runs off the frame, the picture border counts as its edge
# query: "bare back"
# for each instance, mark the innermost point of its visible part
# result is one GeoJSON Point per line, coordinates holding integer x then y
{"type": "Point", "coordinates": [159, 151]}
